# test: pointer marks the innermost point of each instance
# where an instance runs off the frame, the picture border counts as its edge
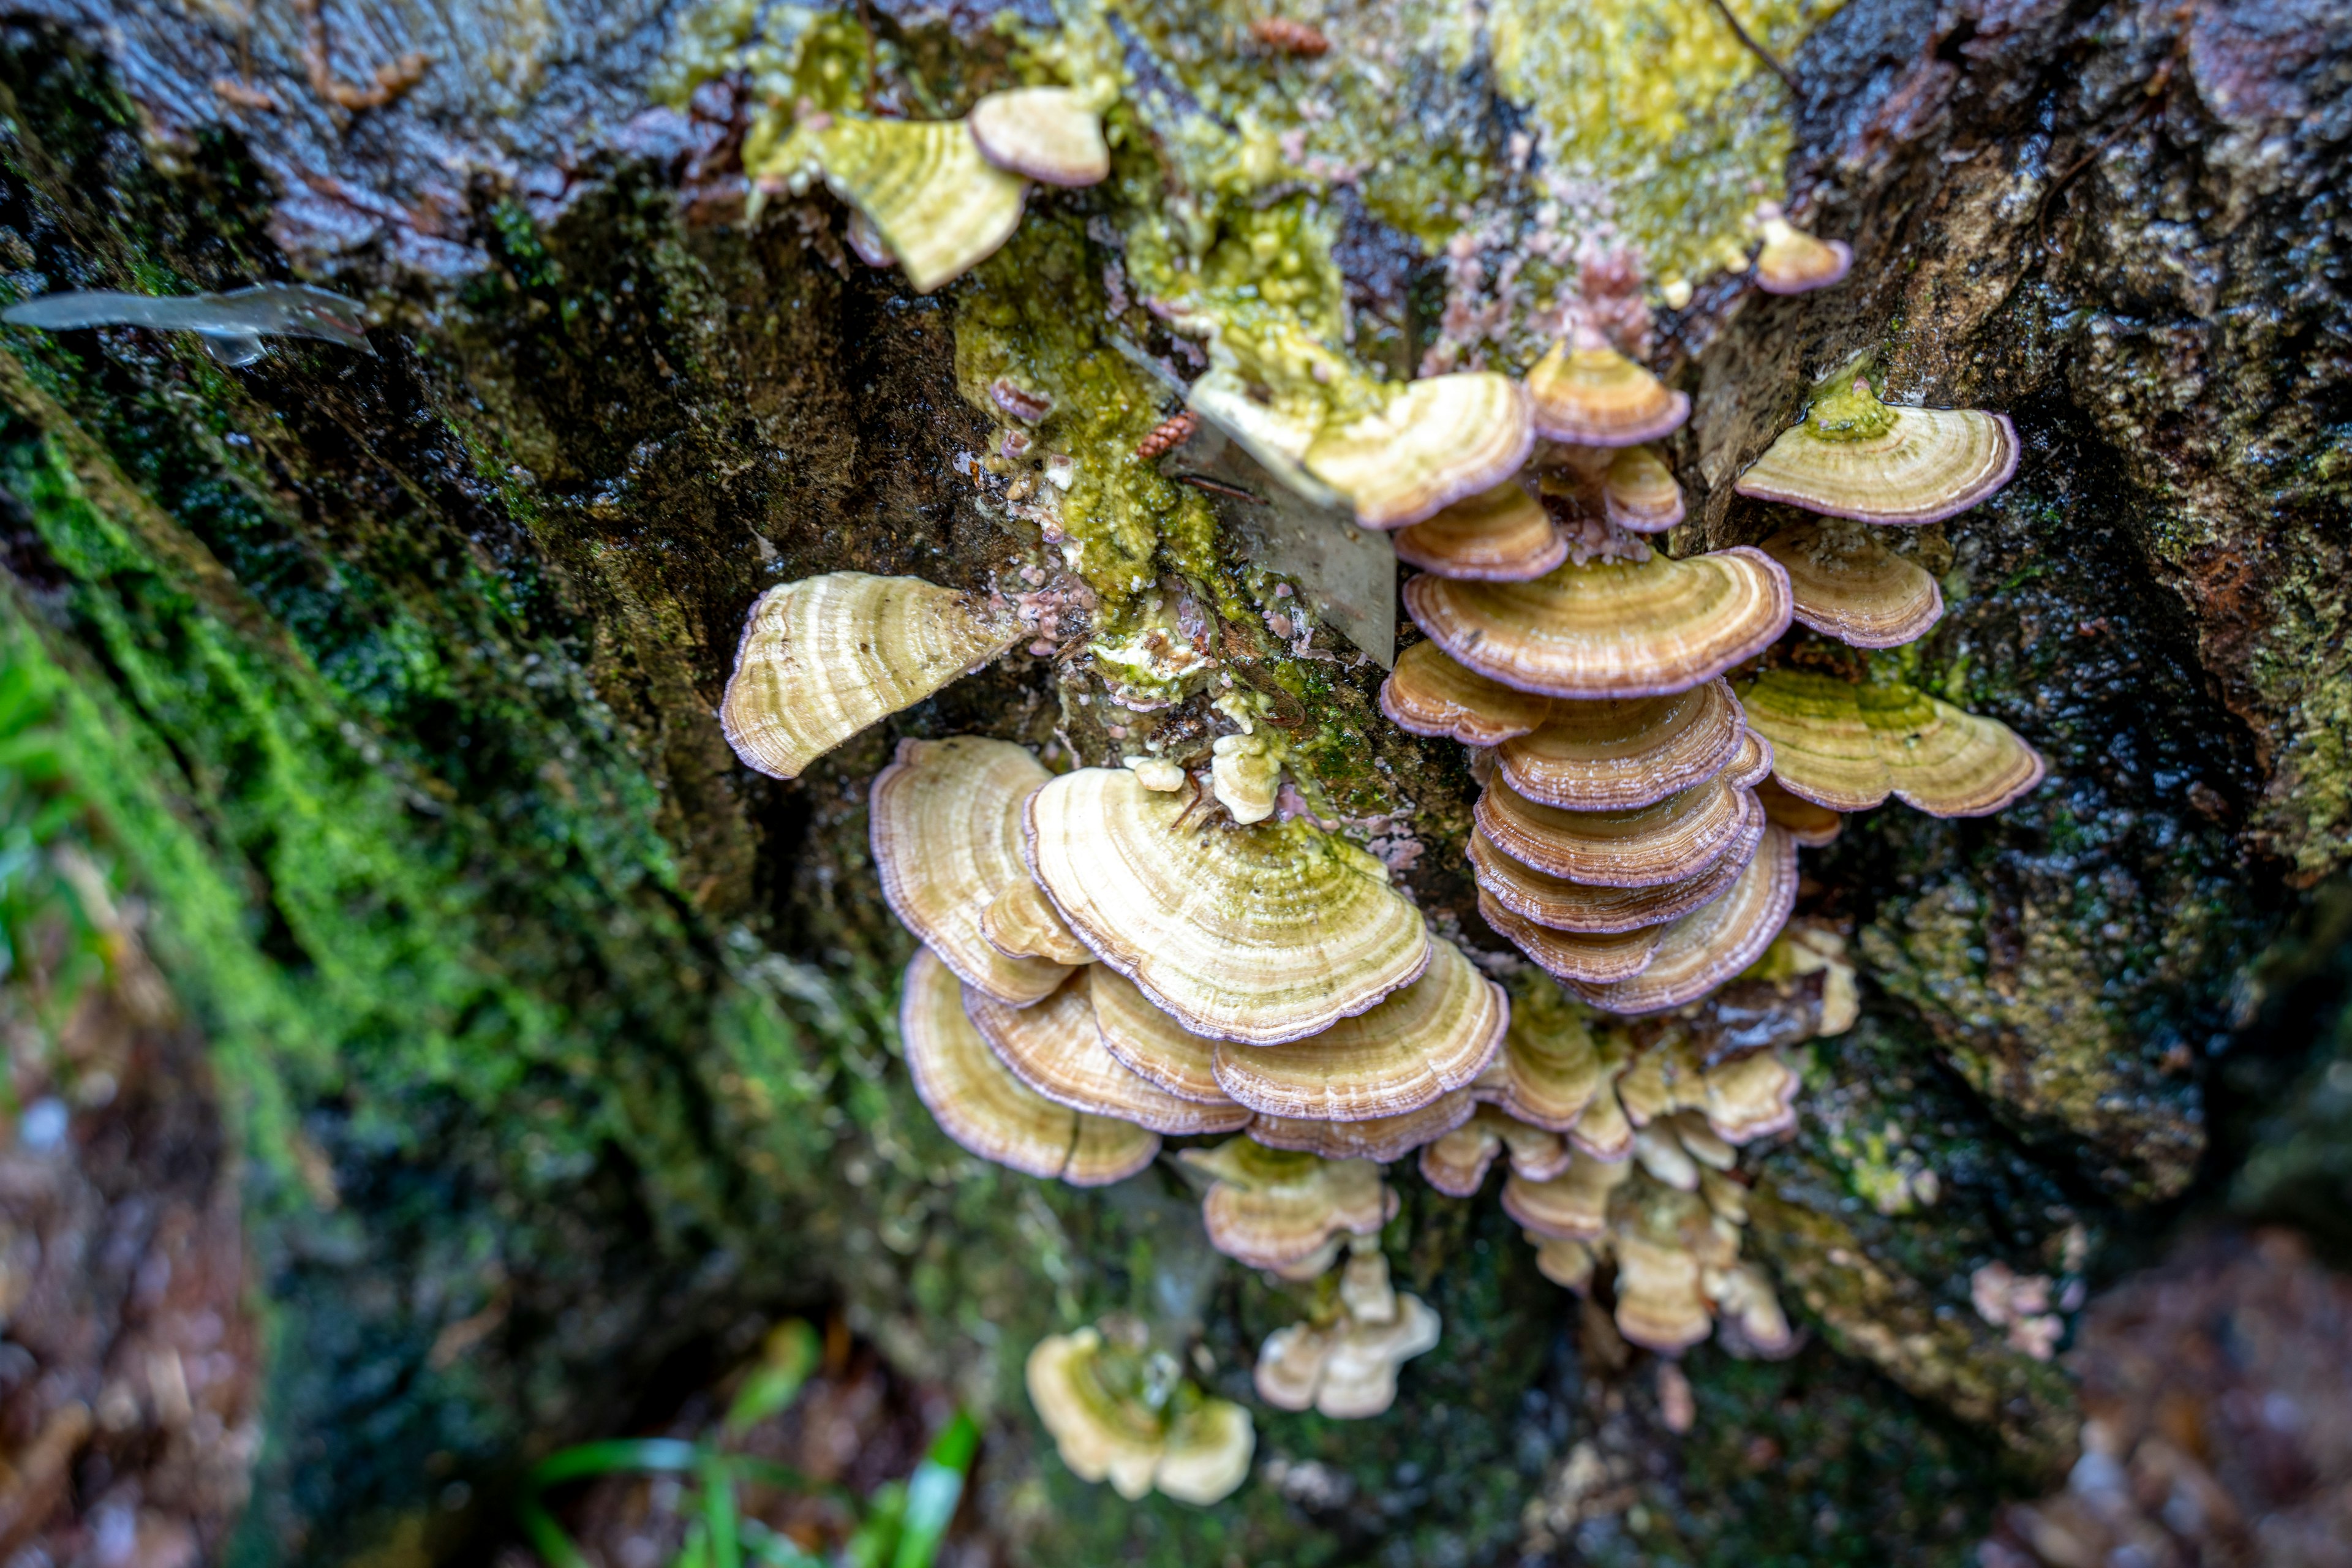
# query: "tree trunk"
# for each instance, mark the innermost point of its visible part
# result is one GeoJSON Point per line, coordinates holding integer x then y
{"type": "Point", "coordinates": [552, 1051]}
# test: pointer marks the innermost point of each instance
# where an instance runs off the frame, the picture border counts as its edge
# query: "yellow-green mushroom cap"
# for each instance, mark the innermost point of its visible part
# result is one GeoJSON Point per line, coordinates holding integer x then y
{"type": "Point", "coordinates": [1610, 628]}
{"type": "Point", "coordinates": [1259, 934]}
{"type": "Point", "coordinates": [1208, 1454]}
{"type": "Point", "coordinates": [1424, 1041]}
{"type": "Point", "coordinates": [1669, 840]}
{"type": "Point", "coordinates": [1567, 906]}
{"type": "Point", "coordinates": [1639, 492]}
{"type": "Point", "coordinates": [1858, 457]}
{"type": "Point", "coordinates": [1499, 535]}
{"type": "Point", "coordinates": [1849, 586]}
{"type": "Point", "coordinates": [978, 1102]}
{"type": "Point", "coordinates": [941, 206]}
{"type": "Point", "coordinates": [1612, 754]}
{"type": "Point", "coordinates": [823, 657]}
{"type": "Point", "coordinates": [1055, 1049]}
{"type": "Point", "coordinates": [1047, 133]}
{"type": "Point", "coordinates": [1847, 746]}
{"type": "Point", "coordinates": [1433, 443]}
{"type": "Point", "coordinates": [946, 829]}
{"type": "Point", "coordinates": [1572, 1206]}
{"type": "Point", "coordinates": [1750, 1095]}
{"type": "Point", "coordinates": [1274, 1208]}
{"type": "Point", "coordinates": [1598, 397]}
{"type": "Point", "coordinates": [1197, 1450]}
{"type": "Point", "coordinates": [1378, 1139]}
{"type": "Point", "coordinates": [1428, 693]}
{"type": "Point", "coordinates": [1151, 1043]}
{"type": "Point", "coordinates": [1712, 943]}
{"type": "Point", "coordinates": [1794, 262]}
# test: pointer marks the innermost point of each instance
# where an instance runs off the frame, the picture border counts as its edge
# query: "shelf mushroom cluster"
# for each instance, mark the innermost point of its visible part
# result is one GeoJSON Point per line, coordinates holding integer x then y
{"type": "Point", "coordinates": [1119, 1411]}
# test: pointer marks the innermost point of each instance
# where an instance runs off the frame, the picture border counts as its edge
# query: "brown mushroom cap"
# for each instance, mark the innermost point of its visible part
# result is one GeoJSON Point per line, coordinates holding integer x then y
{"type": "Point", "coordinates": [1499, 535]}
{"type": "Point", "coordinates": [1614, 754]}
{"type": "Point", "coordinates": [1554, 1068]}
{"type": "Point", "coordinates": [1259, 934]}
{"type": "Point", "coordinates": [1149, 1043]}
{"type": "Point", "coordinates": [1659, 1306]}
{"type": "Point", "coordinates": [1566, 906]}
{"type": "Point", "coordinates": [822, 657]}
{"type": "Point", "coordinates": [1598, 397]}
{"type": "Point", "coordinates": [978, 1102]}
{"type": "Point", "coordinates": [1047, 133]}
{"type": "Point", "coordinates": [1610, 628]}
{"type": "Point", "coordinates": [1380, 1139]}
{"type": "Point", "coordinates": [1424, 1041]}
{"type": "Point", "coordinates": [1849, 586]}
{"type": "Point", "coordinates": [1565, 1263]}
{"type": "Point", "coordinates": [1812, 826]}
{"type": "Point", "coordinates": [1600, 958]}
{"type": "Point", "coordinates": [1055, 1049]}
{"type": "Point", "coordinates": [1429, 694]}
{"type": "Point", "coordinates": [1794, 262]}
{"type": "Point", "coordinates": [1712, 943]}
{"type": "Point", "coordinates": [1847, 747]}
{"type": "Point", "coordinates": [1753, 764]}
{"type": "Point", "coordinates": [1435, 442]}
{"type": "Point", "coordinates": [1639, 492]}
{"type": "Point", "coordinates": [1572, 1206]}
{"type": "Point", "coordinates": [1272, 1209]}
{"type": "Point", "coordinates": [1856, 457]}
{"type": "Point", "coordinates": [1669, 840]}
{"type": "Point", "coordinates": [1022, 922]}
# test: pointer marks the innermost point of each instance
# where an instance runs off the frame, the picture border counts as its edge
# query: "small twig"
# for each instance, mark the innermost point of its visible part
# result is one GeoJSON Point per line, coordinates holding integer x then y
{"type": "Point", "coordinates": [1218, 488]}
{"type": "Point", "coordinates": [1753, 48]}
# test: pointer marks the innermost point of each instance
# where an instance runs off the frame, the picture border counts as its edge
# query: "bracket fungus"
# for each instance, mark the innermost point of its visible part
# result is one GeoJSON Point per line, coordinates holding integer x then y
{"type": "Point", "coordinates": [1499, 535]}
{"type": "Point", "coordinates": [1703, 948]}
{"type": "Point", "coordinates": [1556, 1074]}
{"type": "Point", "coordinates": [1571, 1206]}
{"type": "Point", "coordinates": [1567, 906]}
{"type": "Point", "coordinates": [1343, 1362]}
{"type": "Point", "coordinates": [1595, 396]}
{"type": "Point", "coordinates": [978, 1102]}
{"type": "Point", "coordinates": [1612, 755]}
{"type": "Point", "coordinates": [1792, 261]}
{"type": "Point", "coordinates": [825, 657]}
{"type": "Point", "coordinates": [1638, 492]}
{"type": "Point", "coordinates": [1847, 747]}
{"type": "Point", "coordinates": [1669, 841]}
{"type": "Point", "coordinates": [1856, 456]}
{"type": "Point", "coordinates": [1433, 443]}
{"type": "Point", "coordinates": [1423, 1041]}
{"type": "Point", "coordinates": [1849, 586]}
{"type": "Point", "coordinates": [1456, 1163]}
{"type": "Point", "coordinates": [946, 829]}
{"type": "Point", "coordinates": [1429, 693]}
{"type": "Point", "coordinates": [1610, 628]}
{"type": "Point", "coordinates": [1283, 1210]}
{"type": "Point", "coordinates": [940, 205]}
{"type": "Point", "coordinates": [1260, 934]}
{"type": "Point", "coordinates": [1246, 775]}
{"type": "Point", "coordinates": [1055, 1049]}
{"type": "Point", "coordinates": [1380, 1139]}
{"type": "Point", "coordinates": [1120, 1415]}
{"type": "Point", "coordinates": [1048, 134]}
{"type": "Point", "coordinates": [1022, 922]}
{"type": "Point", "coordinates": [1813, 826]}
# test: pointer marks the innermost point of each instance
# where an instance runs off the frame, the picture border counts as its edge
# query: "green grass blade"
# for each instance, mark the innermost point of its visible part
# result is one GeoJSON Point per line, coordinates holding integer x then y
{"type": "Point", "coordinates": [933, 1491]}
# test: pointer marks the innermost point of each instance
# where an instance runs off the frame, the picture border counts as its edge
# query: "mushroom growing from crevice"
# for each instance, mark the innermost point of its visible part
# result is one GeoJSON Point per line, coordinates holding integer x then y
{"type": "Point", "coordinates": [1638, 491]}
{"type": "Point", "coordinates": [1792, 261]}
{"type": "Point", "coordinates": [1856, 456]}
{"type": "Point", "coordinates": [1286, 1211]}
{"type": "Point", "coordinates": [1120, 1413]}
{"type": "Point", "coordinates": [941, 207]}
{"type": "Point", "coordinates": [1343, 1360]}
{"type": "Point", "coordinates": [1847, 585]}
{"type": "Point", "coordinates": [825, 657]}
{"type": "Point", "coordinates": [1847, 746]}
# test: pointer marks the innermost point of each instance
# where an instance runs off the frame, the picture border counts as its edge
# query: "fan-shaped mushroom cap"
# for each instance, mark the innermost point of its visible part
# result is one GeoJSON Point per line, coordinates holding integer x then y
{"type": "Point", "coordinates": [1429, 694]}
{"type": "Point", "coordinates": [978, 1102]}
{"type": "Point", "coordinates": [941, 207]}
{"type": "Point", "coordinates": [1022, 922]}
{"type": "Point", "coordinates": [1433, 443]}
{"type": "Point", "coordinates": [1847, 747]}
{"type": "Point", "coordinates": [1659, 1304]}
{"type": "Point", "coordinates": [1598, 397]}
{"type": "Point", "coordinates": [1712, 943]}
{"type": "Point", "coordinates": [1426, 1039]}
{"type": "Point", "coordinates": [1750, 1097]}
{"type": "Point", "coordinates": [1849, 586]}
{"type": "Point", "coordinates": [1378, 1139]}
{"type": "Point", "coordinates": [1259, 934]}
{"type": "Point", "coordinates": [1812, 826]}
{"type": "Point", "coordinates": [1856, 457]}
{"type": "Point", "coordinates": [1149, 1043]}
{"type": "Point", "coordinates": [1055, 1049]}
{"type": "Point", "coordinates": [823, 657]}
{"type": "Point", "coordinates": [1273, 1208]}
{"type": "Point", "coordinates": [1348, 1371]}
{"type": "Point", "coordinates": [1794, 262]}
{"type": "Point", "coordinates": [1657, 1150]}
{"type": "Point", "coordinates": [1572, 1206]}
{"type": "Point", "coordinates": [1456, 1163]}
{"type": "Point", "coordinates": [1047, 133]}
{"type": "Point", "coordinates": [1646, 846]}
{"type": "Point", "coordinates": [1565, 1263]}
{"type": "Point", "coordinates": [1244, 774]}
{"type": "Point", "coordinates": [946, 819]}
{"type": "Point", "coordinates": [1553, 1070]}
{"type": "Point", "coordinates": [1612, 755]}
{"type": "Point", "coordinates": [1753, 764]}
{"type": "Point", "coordinates": [1196, 1452]}
{"type": "Point", "coordinates": [1753, 1322]}
{"type": "Point", "coordinates": [1499, 535]}
{"type": "Point", "coordinates": [1639, 492]}
{"type": "Point", "coordinates": [1610, 628]}
{"type": "Point", "coordinates": [1566, 906]}
{"type": "Point", "coordinates": [1600, 958]}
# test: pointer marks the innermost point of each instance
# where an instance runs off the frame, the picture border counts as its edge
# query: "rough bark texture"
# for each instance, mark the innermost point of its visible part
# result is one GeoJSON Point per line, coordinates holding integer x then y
{"type": "Point", "coordinates": [558, 1045]}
